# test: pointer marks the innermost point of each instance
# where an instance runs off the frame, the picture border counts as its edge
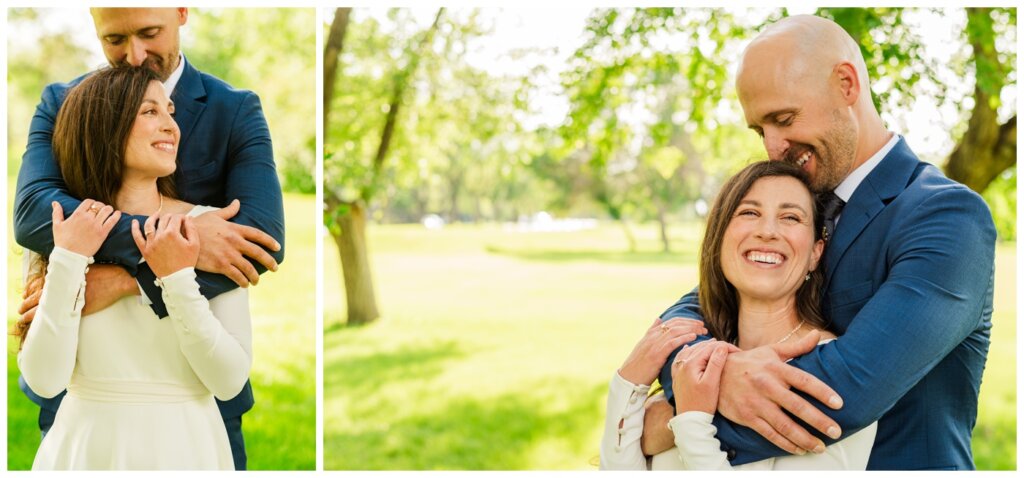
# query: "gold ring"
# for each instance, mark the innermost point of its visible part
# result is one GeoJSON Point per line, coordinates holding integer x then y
{"type": "Point", "coordinates": [94, 208]}
{"type": "Point", "coordinates": [149, 231]}
{"type": "Point", "coordinates": [664, 328]}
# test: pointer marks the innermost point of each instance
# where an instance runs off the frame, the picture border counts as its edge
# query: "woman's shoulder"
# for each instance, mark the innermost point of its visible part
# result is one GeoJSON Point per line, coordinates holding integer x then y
{"type": "Point", "coordinates": [826, 337]}
{"type": "Point", "coordinates": [200, 209]}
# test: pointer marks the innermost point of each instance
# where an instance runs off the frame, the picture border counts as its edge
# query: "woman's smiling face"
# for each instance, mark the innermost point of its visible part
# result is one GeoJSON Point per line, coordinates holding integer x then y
{"type": "Point", "coordinates": [153, 142]}
{"type": "Point", "coordinates": [769, 247]}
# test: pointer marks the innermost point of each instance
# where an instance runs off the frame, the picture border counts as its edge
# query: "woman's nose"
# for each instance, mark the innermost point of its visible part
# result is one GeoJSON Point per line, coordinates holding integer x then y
{"type": "Point", "coordinates": [170, 125]}
{"type": "Point", "coordinates": [766, 229]}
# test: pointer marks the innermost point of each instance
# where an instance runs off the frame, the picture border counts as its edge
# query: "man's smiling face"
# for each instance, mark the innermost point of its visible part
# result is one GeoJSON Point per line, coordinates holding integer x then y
{"type": "Point", "coordinates": [141, 36]}
{"type": "Point", "coordinates": [794, 106]}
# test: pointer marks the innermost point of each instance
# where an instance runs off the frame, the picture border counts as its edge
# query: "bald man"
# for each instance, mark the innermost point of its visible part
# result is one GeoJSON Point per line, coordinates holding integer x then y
{"type": "Point", "coordinates": [909, 272]}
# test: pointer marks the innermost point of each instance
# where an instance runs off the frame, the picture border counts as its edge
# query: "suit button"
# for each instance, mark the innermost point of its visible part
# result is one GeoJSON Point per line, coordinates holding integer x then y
{"type": "Point", "coordinates": [730, 454]}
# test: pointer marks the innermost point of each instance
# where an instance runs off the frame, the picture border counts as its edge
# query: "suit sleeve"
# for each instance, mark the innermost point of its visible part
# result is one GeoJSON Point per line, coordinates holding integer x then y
{"type": "Point", "coordinates": [940, 271]}
{"type": "Point", "coordinates": [686, 307]}
{"type": "Point", "coordinates": [252, 179]}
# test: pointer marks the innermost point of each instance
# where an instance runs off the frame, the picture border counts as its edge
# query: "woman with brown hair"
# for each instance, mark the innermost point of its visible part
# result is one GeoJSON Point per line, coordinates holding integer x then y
{"type": "Point", "coordinates": [759, 285]}
{"type": "Point", "coordinates": [140, 391]}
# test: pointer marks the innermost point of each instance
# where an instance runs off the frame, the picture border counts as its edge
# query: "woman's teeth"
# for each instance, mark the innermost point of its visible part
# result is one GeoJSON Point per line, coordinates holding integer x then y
{"type": "Point", "coordinates": [765, 257]}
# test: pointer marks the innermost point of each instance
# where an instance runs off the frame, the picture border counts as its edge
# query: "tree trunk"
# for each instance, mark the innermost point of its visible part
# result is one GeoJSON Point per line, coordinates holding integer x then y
{"type": "Point", "coordinates": [355, 266]}
{"type": "Point", "coordinates": [454, 191]}
{"type": "Point", "coordinates": [351, 242]}
{"type": "Point", "coordinates": [630, 238]}
{"type": "Point", "coordinates": [663, 227]}
{"type": "Point", "coordinates": [987, 148]}
{"type": "Point", "coordinates": [332, 50]}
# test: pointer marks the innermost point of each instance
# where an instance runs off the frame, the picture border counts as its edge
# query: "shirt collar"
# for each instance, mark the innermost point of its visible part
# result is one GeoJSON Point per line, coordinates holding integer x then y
{"type": "Point", "coordinates": [172, 80]}
{"type": "Point", "coordinates": [849, 185]}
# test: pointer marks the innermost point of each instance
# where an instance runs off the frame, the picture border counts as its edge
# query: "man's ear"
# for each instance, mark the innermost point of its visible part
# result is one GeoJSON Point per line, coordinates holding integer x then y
{"type": "Point", "coordinates": [849, 81]}
{"type": "Point", "coordinates": [182, 15]}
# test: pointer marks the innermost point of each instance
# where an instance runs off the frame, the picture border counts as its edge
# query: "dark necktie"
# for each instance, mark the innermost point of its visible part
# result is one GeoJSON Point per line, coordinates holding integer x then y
{"type": "Point", "coordinates": [831, 206]}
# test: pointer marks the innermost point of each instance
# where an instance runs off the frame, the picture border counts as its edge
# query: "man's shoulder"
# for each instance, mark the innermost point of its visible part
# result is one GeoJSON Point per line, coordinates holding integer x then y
{"type": "Point", "coordinates": [219, 89]}
{"type": "Point", "coordinates": [57, 91]}
{"type": "Point", "coordinates": [930, 184]}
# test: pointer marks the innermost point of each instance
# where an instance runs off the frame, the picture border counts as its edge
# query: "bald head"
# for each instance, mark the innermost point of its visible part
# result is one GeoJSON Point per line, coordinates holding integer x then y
{"type": "Point", "coordinates": [804, 89]}
{"type": "Point", "coordinates": [802, 49]}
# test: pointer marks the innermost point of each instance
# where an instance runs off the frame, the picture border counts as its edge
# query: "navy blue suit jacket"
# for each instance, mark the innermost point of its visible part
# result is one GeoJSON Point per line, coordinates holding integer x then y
{"type": "Point", "coordinates": [224, 154]}
{"type": "Point", "coordinates": [909, 275]}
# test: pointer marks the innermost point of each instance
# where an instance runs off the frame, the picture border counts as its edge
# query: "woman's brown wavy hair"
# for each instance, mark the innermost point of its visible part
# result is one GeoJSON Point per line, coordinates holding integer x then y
{"type": "Point", "coordinates": [90, 137]}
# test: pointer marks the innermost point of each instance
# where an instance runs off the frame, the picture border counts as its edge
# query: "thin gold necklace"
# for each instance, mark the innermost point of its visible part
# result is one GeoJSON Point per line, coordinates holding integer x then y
{"type": "Point", "coordinates": [161, 208]}
{"type": "Point", "coordinates": [790, 334]}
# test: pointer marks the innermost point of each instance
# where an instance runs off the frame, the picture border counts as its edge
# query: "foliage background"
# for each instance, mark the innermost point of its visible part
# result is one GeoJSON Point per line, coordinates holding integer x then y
{"type": "Point", "coordinates": [272, 52]}
{"type": "Point", "coordinates": [499, 331]}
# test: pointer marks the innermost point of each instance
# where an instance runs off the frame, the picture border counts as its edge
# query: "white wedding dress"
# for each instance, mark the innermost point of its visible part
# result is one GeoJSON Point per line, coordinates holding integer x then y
{"type": "Point", "coordinates": [140, 389]}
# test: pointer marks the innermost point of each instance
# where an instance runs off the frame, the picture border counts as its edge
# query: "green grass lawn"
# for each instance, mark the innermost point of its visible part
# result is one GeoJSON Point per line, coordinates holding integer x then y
{"type": "Point", "coordinates": [280, 431]}
{"type": "Point", "coordinates": [495, 347]}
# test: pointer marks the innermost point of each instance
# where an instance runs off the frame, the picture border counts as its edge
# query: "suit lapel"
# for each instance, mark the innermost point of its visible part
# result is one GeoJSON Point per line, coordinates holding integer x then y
{"type": "Point", "coordinates": [188, 98]}
{"type": "Point", "coordinates": [885, 182]}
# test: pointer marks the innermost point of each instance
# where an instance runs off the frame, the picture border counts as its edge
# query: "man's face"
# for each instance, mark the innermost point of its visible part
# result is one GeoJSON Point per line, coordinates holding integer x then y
{"type": "Point", "coordinates": [141, 36]}
{"type": "Point", "coordinates": [799, 116]}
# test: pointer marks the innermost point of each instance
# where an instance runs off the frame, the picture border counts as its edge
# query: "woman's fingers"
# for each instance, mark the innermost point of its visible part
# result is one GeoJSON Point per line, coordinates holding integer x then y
{"type": "Point", "coordinates": [84, 206]}
{"type": "Point", "coordinates": [104, 212]}
{"type": "Point", "coordinates": [111, 221]}
{"type": "Point", "coordinates": [691, 325]}
{"type": "Point", "coordinates": [149, 228]}
{"type": "Point", "coordinates": [58, 213]}
{"type": "Point", "coordinates": [140, 242]}
{"type": "Point", "coordinates": [191, 234]}
{"type": "Point", "coordinates": [173, 225]}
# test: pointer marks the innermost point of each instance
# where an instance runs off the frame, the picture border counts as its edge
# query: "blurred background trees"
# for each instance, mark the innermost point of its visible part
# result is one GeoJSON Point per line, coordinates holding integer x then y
{"type": "Point", "coordinates": [650, 126]}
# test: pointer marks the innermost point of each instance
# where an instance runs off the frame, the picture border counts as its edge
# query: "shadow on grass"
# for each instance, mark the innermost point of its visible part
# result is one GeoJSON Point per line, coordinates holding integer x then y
{"type": "Point", "coordinates": [362, 375]}
{"type": "Point", "coordinates": [617, 257]}
{"type": "Point", "coordinates": [472, 434]}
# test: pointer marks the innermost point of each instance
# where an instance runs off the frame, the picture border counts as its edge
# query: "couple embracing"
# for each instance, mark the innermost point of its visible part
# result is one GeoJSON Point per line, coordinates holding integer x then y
{"type": "Point", "coordinates": [136, 313]}
{"type": "Point", "coordinates": [842, 318]}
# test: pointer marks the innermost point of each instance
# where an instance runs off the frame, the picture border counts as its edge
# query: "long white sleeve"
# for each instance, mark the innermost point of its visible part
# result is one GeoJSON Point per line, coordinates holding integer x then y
{"type": "Point", "coordinates": [700, 450]}
{"type": "Point", "coordinates": [215, 336]}
{"type": "Point", "coordinates": [624, 426]}
{"type": "Point", "coordinates": [696, 442]}
{"type": "Point", "coordinates": [47, 358]}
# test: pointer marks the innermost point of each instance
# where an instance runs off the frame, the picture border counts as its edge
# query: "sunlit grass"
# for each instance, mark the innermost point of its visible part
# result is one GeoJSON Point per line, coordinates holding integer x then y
{"type": "Point", "coordinates": [280, 431]}
{"type": "Point", "coordinates": [495, 347]}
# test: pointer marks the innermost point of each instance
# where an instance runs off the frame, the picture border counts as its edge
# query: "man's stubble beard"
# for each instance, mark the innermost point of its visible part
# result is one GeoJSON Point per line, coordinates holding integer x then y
{"type": "Point", "coordinates": [163, 67]}
{"type": "Point", "coordinates": [836, 156]}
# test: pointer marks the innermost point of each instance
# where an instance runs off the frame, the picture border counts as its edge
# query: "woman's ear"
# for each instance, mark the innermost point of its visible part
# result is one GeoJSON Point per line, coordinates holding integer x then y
{"type": "Point", "coordinates": [816, 251]}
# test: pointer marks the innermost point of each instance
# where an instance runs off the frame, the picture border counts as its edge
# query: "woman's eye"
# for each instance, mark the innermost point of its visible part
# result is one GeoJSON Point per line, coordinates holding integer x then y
{"type": "Point", "coordinates": [791, 218]}
{"type": "Point", "coordinates": [747, 212]}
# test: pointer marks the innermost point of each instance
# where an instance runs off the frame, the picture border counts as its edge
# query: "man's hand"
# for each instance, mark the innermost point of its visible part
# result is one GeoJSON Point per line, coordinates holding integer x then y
{"type": "Point", "coordinates": [224, 246]}
{"type": "Point", "coordinates": [657, 437]}
{"type": "Point", "coordinates": [756, 386]}
{"type": "Point", "coordinates": [105, 284]}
